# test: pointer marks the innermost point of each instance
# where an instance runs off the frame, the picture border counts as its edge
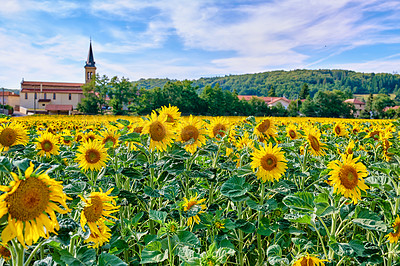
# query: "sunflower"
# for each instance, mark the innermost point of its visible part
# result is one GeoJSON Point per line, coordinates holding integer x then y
{"type": "Point", "coordinates": [346, 177]}
{"type": "Point", "coordinates": [269, 163]}
{"type": "Point", "coordinates": [313, 136]}
{"type": "Point", "coordinates": [375, 133]}
{"type": "Point", "coordinates": [98, 239]}
{"type": "Point", "coordinates": [66, 137]}
{"type": "Point", "coordinates": [171, 112]}
{"type": "Point", "coordinates": [31, 202]}
{"type": "Point", "coordinates": [309, 261]}
{"type": "Point", "coordinates": [47, 144]}
{"type": "Point", "coordinates": [340, 129]}
{"type": "Point", "coordinates": [244, 141]}
{"type": "Point", "coordinates": [291, 132]}
{"type": "Point", "coordinates": [193, 205]}
{"type": "Point", "coordinates": [90, 136]}
{"type": "Point", "coordinates": [5, 253]}
{"type": "Point", "coordinates": [161, 133]}
{"type": "Point", "coordinates": [393, 237]}
{"type": "Point", "coordinates": [110, 136]}
{"type": "Point", "coordinates": [218, 128]}
{"type": "Point", "coordinates": [92, 155]}
{"type": "Point", "coordinates": [350, 147]}
{"type": "Point", "coordinates": [265, 129]}
{"type": "Point", "coordinates": [192, 134]}
{"type": "Point", "coordinates": [97, 208]}
{"type": "Point", "coordinates": [12, 134]}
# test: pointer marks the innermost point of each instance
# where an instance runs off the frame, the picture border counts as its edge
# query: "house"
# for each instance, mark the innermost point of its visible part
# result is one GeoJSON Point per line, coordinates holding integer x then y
{"type": "Point", "coordinates": [9, 98]}
{"type": "Point", "coordinates": [270, 101]}
{"type": "Point", "coordinates": [42, 97]}
{"type": "Point", "coordinates": [358, 105]}
{"type": "Point", "coordinates": [391, 108]}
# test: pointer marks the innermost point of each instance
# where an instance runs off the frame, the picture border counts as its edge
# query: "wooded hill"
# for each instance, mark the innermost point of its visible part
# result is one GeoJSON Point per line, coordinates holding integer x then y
{"type": "Point", "coordinates": [289, 83]}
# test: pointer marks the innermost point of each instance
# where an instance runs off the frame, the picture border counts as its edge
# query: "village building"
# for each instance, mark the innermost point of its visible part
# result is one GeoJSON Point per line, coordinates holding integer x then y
{"type": "Point", "coordinates": [42, 97]}
{"type": "Point", "coordinates": [358, 105]}
{"type": "Point", "coordinates": [270, 101]}
{"type": "Point", "coordinates": [9, 98]}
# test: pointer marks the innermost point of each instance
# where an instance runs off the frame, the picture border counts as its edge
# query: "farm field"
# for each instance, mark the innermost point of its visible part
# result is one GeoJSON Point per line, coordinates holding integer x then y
{"type": "Point", "coordinates": [172, 190]}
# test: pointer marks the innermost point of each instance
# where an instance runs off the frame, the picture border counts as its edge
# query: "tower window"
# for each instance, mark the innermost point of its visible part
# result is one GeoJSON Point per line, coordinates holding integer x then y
{"type": "Point", "coordinates": [88, 75]}
{"type": "Point", "coordinates": [70, 96]}
{"type": "Point", "coordinates": [54, 96]}
{"type": "Point", "coordinates": [26, 96]}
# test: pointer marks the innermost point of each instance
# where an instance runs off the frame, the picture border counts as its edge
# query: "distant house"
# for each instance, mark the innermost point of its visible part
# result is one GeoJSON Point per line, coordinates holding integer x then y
{"type": "Point", "coordinates": [9, 98]}
{"type": "Point", "coordinates": [270, 101]}
{"type": "Point", "coordinates": [358, 105]}
{"type": "Point", "coordinates": [42, 97]}
{"type": "Point", "coordinates": [391, 108]}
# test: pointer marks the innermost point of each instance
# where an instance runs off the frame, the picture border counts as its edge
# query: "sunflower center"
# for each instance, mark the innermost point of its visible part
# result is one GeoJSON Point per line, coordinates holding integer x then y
{"type": "Point", "coordinates": [337, 130]}
{"type": "Point", "coordinates": [111, 139]}
{"type": "Point", "coordinates": [219, 129]}
{"type": "Point", "coordinates": [95, 210]}
{"type": "Point", "coordinates": [375, 135]}
{"type": "Point", "coordinates": [91, 138]}
{"type": "Point", "coordinates": [47, 146]}
{"type": "Point", "coordinates": [292, 134]}
{"type": "Point", "coordinates": [191, 204]}
{"type": "Point", "coordinates": [314, 142]}
{"type": "Point", "coordinates": [7, 137]}
{"type": "Point", "coordinates": [348, 177]}
{"type": "Point", "coordinates": [157, 131]}
{"type": "Point", "coordinates": [170, 118]}
{"type": "Point", "coordinates": [29, 200]}
{"type": "Point", "coordinates": [92, 156]}
{"type": "Point", "coordinates": [189, 132]}
{"type": "Point", "coordinates": [5, 253]}
{"type": "Point", "coordinates": [138, 130]}
{"type": "Point", "coordinates": [264, 126]}
{"type": "Point", "coordinates": [349, 151]}
{"type": "Point", "coordinates": [268, 162]}
{"type": "Point", "coordinates": [306, 262]}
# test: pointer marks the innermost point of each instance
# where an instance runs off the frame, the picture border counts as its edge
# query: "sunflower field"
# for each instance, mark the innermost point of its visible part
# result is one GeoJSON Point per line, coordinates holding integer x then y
{"type": "Point", "coordinates": [172, 190]}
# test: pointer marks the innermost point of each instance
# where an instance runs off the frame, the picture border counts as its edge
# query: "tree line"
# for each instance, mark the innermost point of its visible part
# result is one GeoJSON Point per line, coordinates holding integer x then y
{"type": "Point", "coordinates": [123, 96]}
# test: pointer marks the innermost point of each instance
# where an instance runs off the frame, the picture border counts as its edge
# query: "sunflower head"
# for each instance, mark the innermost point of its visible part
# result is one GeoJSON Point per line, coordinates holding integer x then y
{"type": "Point", "coordinates": [160, 132]}
{"type": "Point", "coordinates": [192, 208]}
{"type": "Point", "coordinates": [171, 112]}
{"type": "Point", "coordinates": [316, 147]}
{"type": "Point", "coordinates": [92, 155]}
{"type": "Point", "coordinates": [192, 134]}
{"type": "Point", "coordinates": [269, 163]}
{"type": "Point", "coordinates": [218, 128]}
{"type": "Point", "coordinates": [308, 260]}
{"type": "Point", "coordinates": [47, 144]}
{"type": "Point", "coordinates": [12, 134]}
{"type": "Point", "coordinates": [265, 129]}
{"type": "Point", "coordinates": [347, 177]}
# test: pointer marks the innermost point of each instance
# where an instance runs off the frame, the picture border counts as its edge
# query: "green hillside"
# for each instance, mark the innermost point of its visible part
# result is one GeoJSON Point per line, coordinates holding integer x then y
{"type": "Point", "coordinates": [289, 83]}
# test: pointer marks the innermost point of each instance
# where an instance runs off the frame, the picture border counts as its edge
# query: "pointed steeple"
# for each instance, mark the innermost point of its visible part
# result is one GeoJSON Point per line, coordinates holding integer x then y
{"type": "Point", "coordinates": [90, 59]}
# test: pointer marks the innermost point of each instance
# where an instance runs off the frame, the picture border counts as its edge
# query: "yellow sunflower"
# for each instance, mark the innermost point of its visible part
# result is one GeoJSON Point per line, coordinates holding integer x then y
{"type": "Point", "coordinates": [265, 129]}
{"type": "Point", "coordinates": [31, 202]}
{"type": "Point", "coordinates": [350, 147]}
{"type": "Point", "coordinates": [90, 136]}
{"type": "Point", "coordinates": [219, 127]}
{"type": "Point", "coordinates": [97, 208]}
{"type": "Point", "coordinates": [161, 132]}
{"type": "Point", "coordinates": [192, 134]}
{"type": "Point", "coordinates": [375, 133]}
{"type": "Point", "coordinates": [12, 134]}
{"type": "Point", "coordinates": [346, 177]}
{"type": "Point", "coordinates": [194, 205]}
{"type": "Point", "coordinates": [66, 137]}
{"type": "Point", "coordinates": [5, 253]}
{"type": "Point", "coordinates": [99, 239]}
{"type": "Point", "coordinates": [171, 112]}
{"type": "Point", "coordinates": [316, 147]}
{"type": "Point", "coordinates": [269, 163]}
{"type": "Point", "coordinates": [111, 136]}
{"type": "Point", "coordinates": [309, 261]}
{"type": "Point", "coordinates": [47, 144]}
{"type": "Point", "coordinates": [244, 141]}
{"type": "Point", "coordinates": [393, 237]}
{"type": "Point", "coordinates": [340, 129]}
{"type": "Point", "coordinates": [291, 132]}
{"type": "Point", "coordinates": [92, 155]}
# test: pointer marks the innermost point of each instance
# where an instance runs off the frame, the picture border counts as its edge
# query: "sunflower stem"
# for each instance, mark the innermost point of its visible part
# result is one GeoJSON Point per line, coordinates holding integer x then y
{"type": "Point", "coordinates": [32, 254]}
{"type": "Point", "coordinates": [151, 183]}
{"type": "Point", "coordinates": [170, 251]}
{"type": "Point", "coordinates": [19, 253]}
{"type": "Point", "coordinates": [259, 240]}
{"type": "Point", "coordinates": [240, 251]}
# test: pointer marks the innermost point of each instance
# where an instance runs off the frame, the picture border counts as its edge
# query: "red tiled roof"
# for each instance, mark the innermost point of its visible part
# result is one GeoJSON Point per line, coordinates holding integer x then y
{"type": "Point", "coordinates": [354, 101]}
{"type": "Point", "coordinates": [8, 93]}
{"type": "Point", "coordinates": [52, 90]}
{"type": "Point", "coordinates": [53, 84]}
{"type": "Point", "coordinates": [59, 107]}
{"type": "Point", "coordinates": [391, 107]}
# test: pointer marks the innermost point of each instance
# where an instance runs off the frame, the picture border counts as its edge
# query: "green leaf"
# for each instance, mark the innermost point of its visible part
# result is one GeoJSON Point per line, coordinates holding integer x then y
{"type": "Point", "coordinates": [106, 259]}
{"type": "Point", "coordinates": [371, 224]}
{"type": "Point", "coordinates": [188, 238]}
{"type": "Point", "coordinates": [235, 188]}
{"type": "Point", "coordinates": [303, 201]}
{"type": "Point", "coordinates": [153, 193]}
{"type": "Point", "coordinates": [123, 122]}
{"type": "Point", "coordinates": [5, 165]}
{"type": "Point", "coordinates": [298, 218]}
{"type": "Point", "coordinates": [22, 164]}
{"type": "Point", "coordinates": [75, 188]}
{"type": "Point", "coordinates": [132, 173]}
{"type": "Point", "coordinates": [149, 256]}
{"type": "Point", "coordinates": [245, 226]}
{"type": "Point", "coordinates": [343, 249]}
{"type": "Point", "coordinates": [158, 216]}
{"type": "Point", "coordinates": [84, 256]}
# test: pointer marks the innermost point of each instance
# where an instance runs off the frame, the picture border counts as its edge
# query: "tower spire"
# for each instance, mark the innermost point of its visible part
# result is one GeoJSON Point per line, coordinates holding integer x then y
{"type": "Point", "coordinates": [90, 67]}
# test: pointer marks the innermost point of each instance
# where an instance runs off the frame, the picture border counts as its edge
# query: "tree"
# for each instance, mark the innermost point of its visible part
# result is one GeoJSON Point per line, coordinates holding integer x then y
{"type": "Point", "coordinates": [380, 102]}
{"type": "Point", "coordinates": [271, 92]}
{"type": "Point", "coordinates": [293, 108]}
{"type": "Point", "coordinates": [122, 93]}
{"type": "Point", "coordinates": [304, 92]}
{"type": "Point", "coordinates": [95, 93]}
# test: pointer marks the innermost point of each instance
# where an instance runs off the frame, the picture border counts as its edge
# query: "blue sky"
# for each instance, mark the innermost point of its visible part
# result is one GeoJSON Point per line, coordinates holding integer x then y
{"type": "Point", "coordinates": [188, 39]}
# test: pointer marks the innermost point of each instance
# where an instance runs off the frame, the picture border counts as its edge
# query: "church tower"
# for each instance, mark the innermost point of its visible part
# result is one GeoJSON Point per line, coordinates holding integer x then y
{"type": "Point", "coordinates": [90, 67]}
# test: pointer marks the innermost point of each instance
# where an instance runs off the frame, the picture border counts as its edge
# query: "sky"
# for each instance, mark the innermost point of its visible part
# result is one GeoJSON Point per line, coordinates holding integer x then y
{"type": "Point", "coordinates": [188, 39]}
